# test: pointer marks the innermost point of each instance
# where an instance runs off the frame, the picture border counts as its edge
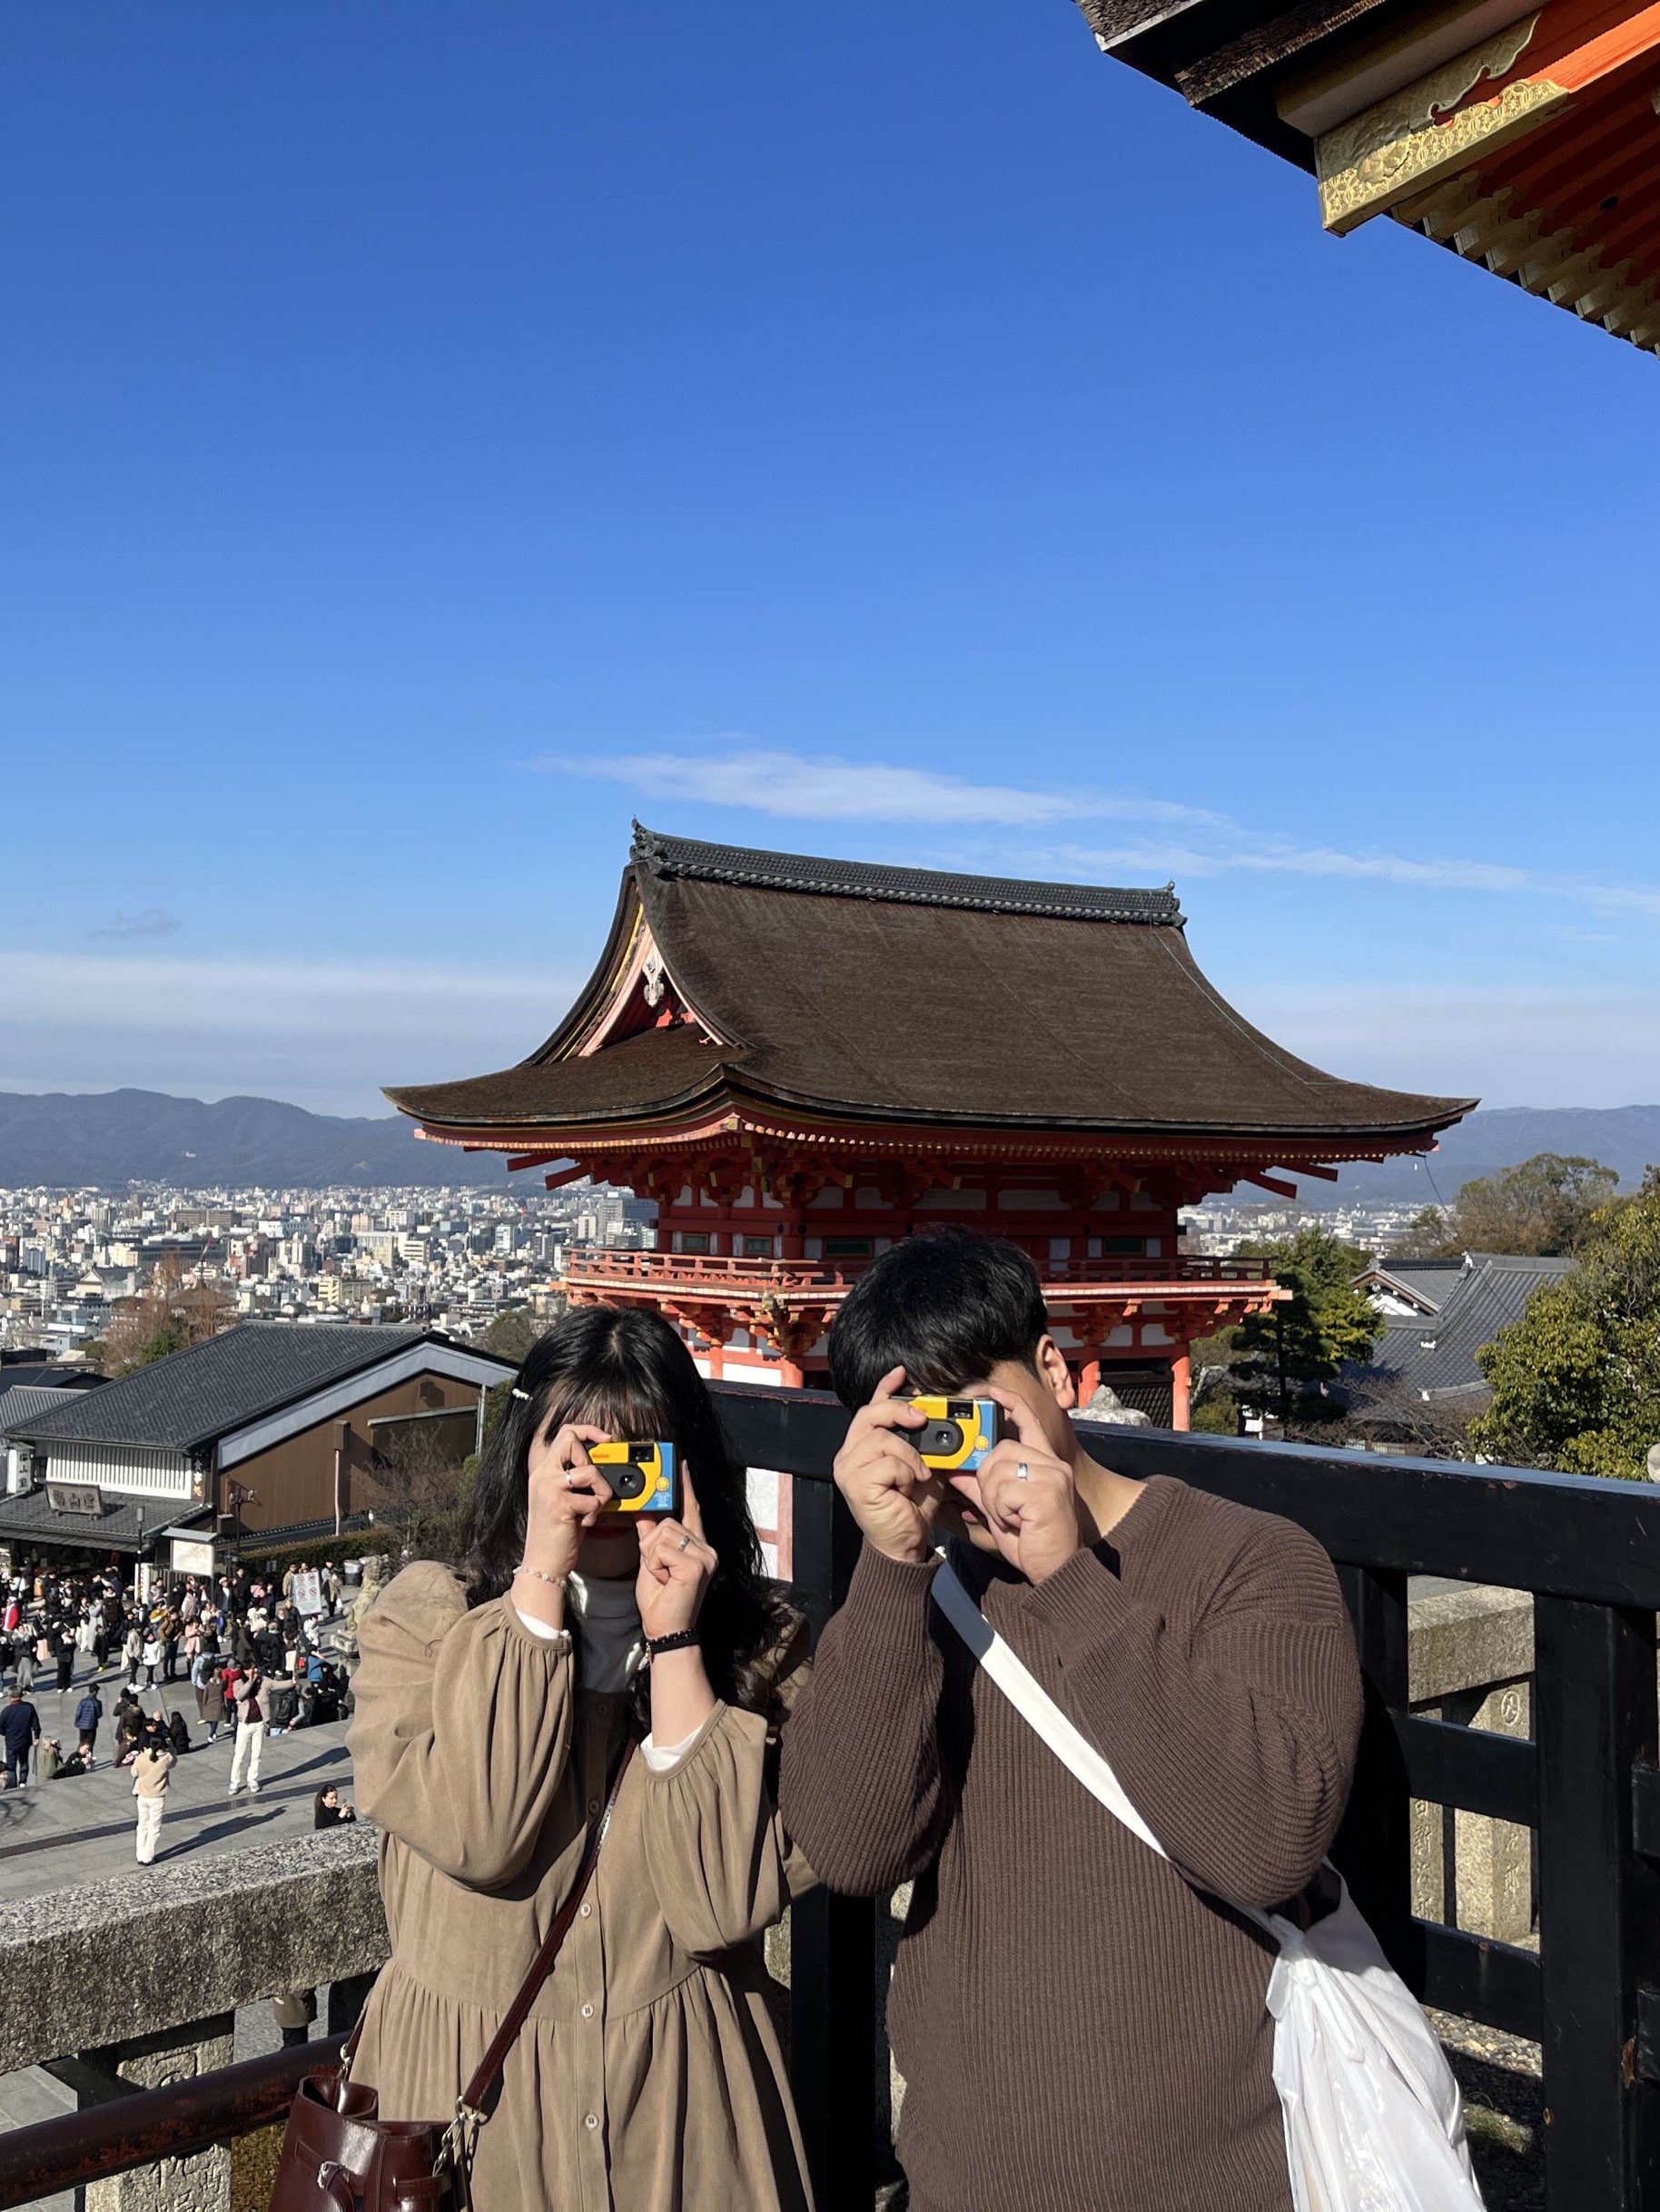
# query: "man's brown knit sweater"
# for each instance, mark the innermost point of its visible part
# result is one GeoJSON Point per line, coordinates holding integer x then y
{"type": "Point", "coordinates": [1079, 2030]}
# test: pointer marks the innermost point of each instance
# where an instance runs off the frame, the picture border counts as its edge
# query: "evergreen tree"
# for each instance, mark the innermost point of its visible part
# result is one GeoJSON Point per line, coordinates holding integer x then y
{"type": "Point", "coordinates": [1282, 1358]}
{"type": "Point", "coordinates": [1576, 1381]}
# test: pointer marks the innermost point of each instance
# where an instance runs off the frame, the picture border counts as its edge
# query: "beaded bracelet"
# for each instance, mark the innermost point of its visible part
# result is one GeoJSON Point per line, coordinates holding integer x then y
{"type": "Point", "coordinates": [554, 1582]}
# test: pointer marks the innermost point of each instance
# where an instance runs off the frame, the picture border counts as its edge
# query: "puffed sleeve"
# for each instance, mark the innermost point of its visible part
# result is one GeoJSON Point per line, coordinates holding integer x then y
{"type": "Point", "coordinates": [723, 1868]}
{"type": "Point", "coordinates": [461, 1726]}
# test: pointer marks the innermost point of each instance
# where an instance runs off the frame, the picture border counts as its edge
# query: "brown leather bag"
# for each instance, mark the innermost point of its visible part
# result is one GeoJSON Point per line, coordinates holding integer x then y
{"type": "Point", "coordinates": [340, 2156]}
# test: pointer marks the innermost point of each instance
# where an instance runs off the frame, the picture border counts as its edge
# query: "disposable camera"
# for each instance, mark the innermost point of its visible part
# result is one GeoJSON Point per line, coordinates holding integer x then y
{"type": "Point", "coordinates": [959, 1433]}
{"type": "Point", "coordinates": [644, 1477]}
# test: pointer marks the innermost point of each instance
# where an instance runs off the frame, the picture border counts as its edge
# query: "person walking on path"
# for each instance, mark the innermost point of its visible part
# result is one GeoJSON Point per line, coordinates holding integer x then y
{"type": "Point", "coordinates": [249, 1732]}
{"type": "Point", "coordinates": [150, 1657]}
{"type": "Point", "coordinates": [493, 1716]}
{"type": "Point", "coordinates": [65, 1640]}
{"type": "Point", "coordinates": [151, 1772]}
{"type": "Point", "coordinates": [132, 1651]}
{"type": "Point", "coordinates": [25, 1663]}
{"type": "Point", "coordinates": [88, 1713]}
{"type": "Point", "coordinates": [1202, 1647]}
{"type": "Point", "coordinates": [19, 1733]}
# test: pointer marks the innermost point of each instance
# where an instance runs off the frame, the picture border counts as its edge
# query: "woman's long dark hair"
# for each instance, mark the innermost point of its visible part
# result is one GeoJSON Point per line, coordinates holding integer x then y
{"type": "Point", "coordinates": [627, 1371]}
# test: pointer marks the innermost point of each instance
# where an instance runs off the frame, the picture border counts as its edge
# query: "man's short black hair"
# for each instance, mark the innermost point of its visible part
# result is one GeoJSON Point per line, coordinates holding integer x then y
{"type": "Point", "coordinates": [946, 1306]}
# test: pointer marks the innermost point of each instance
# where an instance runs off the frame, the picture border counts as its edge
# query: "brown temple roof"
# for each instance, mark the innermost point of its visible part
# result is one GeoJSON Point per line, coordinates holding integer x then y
{"type": "Point", "coordinates": [881, 994]}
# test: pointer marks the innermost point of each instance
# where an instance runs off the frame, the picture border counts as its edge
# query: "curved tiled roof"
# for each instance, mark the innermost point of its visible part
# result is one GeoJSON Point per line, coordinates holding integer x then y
{"type": "Point", "coordinates": [896, 995]}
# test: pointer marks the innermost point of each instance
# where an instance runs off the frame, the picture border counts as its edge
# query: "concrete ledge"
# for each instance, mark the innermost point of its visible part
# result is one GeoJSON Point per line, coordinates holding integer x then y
{"type": "Point", "coordinates": [1465, 1639]}
{"type": "Point", "coordinates": [146, 1952]}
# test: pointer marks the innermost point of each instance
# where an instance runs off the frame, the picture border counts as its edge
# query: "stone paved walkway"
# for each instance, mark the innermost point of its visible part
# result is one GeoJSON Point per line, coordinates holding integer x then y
{"type": "Point", "coordinates": [56, 1833]}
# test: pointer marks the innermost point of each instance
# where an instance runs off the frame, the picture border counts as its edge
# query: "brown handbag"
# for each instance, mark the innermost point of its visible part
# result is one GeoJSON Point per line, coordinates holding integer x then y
{"type": "Point", "coordinates": [340, 2156]}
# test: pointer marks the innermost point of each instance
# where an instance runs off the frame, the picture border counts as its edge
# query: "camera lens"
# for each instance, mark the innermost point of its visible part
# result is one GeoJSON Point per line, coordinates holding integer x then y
{"type": "Point", "coordinates": [629, 1482]}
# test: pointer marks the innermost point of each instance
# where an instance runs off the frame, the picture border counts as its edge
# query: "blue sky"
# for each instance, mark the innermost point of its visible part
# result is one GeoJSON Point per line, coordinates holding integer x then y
{"type": "Point", "coordinates": [435, 434]}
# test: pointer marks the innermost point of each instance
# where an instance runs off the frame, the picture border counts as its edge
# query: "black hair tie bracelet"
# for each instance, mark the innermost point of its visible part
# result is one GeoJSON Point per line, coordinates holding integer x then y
{"type": "Point", "coordinates": [680, 1641]}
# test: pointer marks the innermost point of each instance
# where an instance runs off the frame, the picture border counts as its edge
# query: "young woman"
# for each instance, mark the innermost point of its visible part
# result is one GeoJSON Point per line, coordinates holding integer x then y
{"type": "Point", "coordinates": [152, 1766]}
{"type": "Point", "coordinates": [492, 1709]}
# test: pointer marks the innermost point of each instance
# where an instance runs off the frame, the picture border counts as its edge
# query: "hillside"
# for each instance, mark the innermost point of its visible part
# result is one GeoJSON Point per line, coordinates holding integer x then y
{"type": "Point", "coordinates": [1626, 1138]}
{"type": "Point", "coordinates": [112, 1138]}
{"type": "Point", "coordinates": [115, 1137]}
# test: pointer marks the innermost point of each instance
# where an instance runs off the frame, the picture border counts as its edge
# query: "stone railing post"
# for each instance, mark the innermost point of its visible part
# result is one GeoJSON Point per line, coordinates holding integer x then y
{"type": "Point", "coordinates": [1470, 1661]}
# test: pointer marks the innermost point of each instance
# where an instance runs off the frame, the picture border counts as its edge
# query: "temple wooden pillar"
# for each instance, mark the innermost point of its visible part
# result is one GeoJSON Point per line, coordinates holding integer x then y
{"type": "Point", "coordinates": [1181, 1388]}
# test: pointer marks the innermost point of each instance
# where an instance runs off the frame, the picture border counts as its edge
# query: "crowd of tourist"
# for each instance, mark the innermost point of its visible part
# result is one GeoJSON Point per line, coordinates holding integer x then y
{"type": "Point", "coordinates": [254, 1664]}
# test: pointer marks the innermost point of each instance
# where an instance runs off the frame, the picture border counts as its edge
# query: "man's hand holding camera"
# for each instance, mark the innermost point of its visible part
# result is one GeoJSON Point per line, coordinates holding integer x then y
{"type": "Point", "coordinates": [894, 1498]}
{"type": "Point", "coordinates": [1027, 1497]}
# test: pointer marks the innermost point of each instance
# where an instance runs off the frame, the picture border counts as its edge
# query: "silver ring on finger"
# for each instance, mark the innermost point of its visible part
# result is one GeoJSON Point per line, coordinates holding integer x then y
{"type": "Point", "coordinates": [1023, 1473]}
{"type": "Point", "coordinates": [685, 1543]}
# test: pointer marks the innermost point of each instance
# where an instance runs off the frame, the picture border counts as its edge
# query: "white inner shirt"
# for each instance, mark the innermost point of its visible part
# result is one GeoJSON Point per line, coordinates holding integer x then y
{"type": "Point", "coordinates": [609, 1645]}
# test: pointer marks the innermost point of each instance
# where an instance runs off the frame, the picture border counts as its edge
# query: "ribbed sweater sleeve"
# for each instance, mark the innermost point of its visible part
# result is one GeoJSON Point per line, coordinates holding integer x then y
{"type": "Point", "coordinates": [860, 1786]}
{"type": "Point", "coordinates": [1235, 1738]}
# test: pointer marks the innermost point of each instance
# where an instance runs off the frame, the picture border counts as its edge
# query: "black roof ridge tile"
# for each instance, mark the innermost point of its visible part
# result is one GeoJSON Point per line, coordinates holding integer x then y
{"type": "Point", "coordinates": [691, 858]}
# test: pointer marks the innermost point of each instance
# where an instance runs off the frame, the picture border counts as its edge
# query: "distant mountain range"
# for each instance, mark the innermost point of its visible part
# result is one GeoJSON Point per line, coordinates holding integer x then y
{"type": "Point", "coordinates": [112, 1138]}
{"type": "Point", "coordinates": [115, 1136]}
{"type": "Point", "coordinates": [1626, 1138]}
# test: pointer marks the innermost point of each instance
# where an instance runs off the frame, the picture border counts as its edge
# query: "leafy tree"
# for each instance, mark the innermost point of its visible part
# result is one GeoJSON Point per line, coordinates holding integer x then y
{"type": "Point", "coordinates": [1430, 1235]}
{"type": "Point", "coordinates": [168, 1315]}
{"type": "Point", "coordinates": [511, 1334]}
{"type": "Point", "coordinates": [1548, 1205]}
{"type": "Point", "coordinates": [1576, 1382]}
{"type": "Point", "coordinates": [1283, 1358]}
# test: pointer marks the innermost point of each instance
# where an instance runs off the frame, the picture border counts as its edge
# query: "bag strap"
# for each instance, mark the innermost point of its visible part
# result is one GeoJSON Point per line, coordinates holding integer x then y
{"type": "Point", "coordinates": [482, 2086]}
{"type": "Point", "coordinates": [483, 2083]}
{"type": "Point", "coordinates": [1027, 1694]}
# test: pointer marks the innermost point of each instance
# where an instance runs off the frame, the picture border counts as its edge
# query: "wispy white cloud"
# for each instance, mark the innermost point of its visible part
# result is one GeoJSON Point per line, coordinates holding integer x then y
{"type": "Point", "coordinates": [1198, 840]}
{"type": "Point", "coordinates": [151, 921]}
{"type": "Point", "coordinates": [795, 789]}
{"type": "Point", "coordinates": [71, 991]}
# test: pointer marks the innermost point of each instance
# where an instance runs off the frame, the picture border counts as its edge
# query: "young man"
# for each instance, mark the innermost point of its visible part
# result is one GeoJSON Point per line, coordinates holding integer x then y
{"type": "Point", "coordinates": [88, 1713]}
{"type": "Point", "coordinates": [1081, 2028]}
{"type": "Point", "coordinates": [19, 1733]}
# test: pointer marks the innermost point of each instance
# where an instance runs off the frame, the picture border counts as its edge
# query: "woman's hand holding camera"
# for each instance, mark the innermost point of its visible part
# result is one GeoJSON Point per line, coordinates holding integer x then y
{"type": "Point", "coordinates": [566, 1493]}
{"type": "Point", "coordinates": [894, 1498]}
{"type": "Point", "coordinates": [676, 1567]}
{"type": "Point", "coordinates": [1027, 1497]}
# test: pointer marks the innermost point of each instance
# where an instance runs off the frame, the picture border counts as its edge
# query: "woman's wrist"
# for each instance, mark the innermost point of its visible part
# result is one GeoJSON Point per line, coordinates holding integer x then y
{"type": "Point", "coordinates": [539, 1592]}
{"type": "Point", "coordinates": [681, 1698]}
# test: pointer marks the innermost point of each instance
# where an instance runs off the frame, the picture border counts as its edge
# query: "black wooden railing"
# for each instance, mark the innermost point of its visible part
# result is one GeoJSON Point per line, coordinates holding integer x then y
{"type": "Point", "coordinates": [1588, 1783]}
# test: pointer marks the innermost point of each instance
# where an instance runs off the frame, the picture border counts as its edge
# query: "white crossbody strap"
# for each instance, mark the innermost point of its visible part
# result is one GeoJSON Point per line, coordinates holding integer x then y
{"type": "Point", "coordinates": [1027, 1694]}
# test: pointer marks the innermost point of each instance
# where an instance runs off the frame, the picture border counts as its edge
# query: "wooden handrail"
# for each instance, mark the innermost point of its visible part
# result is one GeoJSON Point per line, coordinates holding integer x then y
{"type": "Point", "coordinates": [174, 2122]}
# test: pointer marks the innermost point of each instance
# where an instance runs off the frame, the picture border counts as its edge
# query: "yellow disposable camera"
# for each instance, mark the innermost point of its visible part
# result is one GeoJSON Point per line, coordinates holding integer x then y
{"type": "Point", "coordinates": [644, 1477]}
{"type": "Point", "coordinates": [959, 1432]}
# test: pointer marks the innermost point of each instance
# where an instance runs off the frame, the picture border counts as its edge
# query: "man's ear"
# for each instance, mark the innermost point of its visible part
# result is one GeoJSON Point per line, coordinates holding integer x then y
{"type": "Point", "coordinates": [1055, 1374]}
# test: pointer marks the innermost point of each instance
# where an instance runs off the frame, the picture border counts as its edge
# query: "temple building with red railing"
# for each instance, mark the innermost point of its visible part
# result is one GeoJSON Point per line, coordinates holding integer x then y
{"type": "Point", "coordinates": [803, 1059]}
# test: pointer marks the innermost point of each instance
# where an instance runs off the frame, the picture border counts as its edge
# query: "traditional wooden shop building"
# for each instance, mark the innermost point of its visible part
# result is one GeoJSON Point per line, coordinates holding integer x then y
{"type": "Point", "coordinates": [1526, 138]}
{"type": "Point", "coordinates": [803, 1059]}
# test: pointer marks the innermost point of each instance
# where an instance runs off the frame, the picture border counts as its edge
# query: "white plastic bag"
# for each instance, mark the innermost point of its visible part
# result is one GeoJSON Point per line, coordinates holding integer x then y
{"type": "Point", "coordinates": [1373, 2119]}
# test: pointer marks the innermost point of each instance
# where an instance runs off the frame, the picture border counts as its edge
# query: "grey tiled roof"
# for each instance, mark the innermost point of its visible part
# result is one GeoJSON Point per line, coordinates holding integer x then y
{"type": "Point", "coordinates": [1433, 1280]}
{"type": "Point", "coordinates": [29, 1518]}
{"type": "Point", "coordinates": [857, 879]}
{"type": "Point", "coordinates": [192, 1397]}
{"type": "Point", "coordinates": [1438, 1351]}
{"type": "Point", "coordinates": [25, 1402]}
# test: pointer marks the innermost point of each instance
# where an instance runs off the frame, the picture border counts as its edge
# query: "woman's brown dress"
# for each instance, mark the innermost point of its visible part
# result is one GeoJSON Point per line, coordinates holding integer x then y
{"type": "Point", "coordinates": [647, 2077]}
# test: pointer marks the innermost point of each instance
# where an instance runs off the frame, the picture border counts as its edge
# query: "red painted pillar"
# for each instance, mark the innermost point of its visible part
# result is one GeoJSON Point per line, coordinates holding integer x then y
{"type": "Point", "coordinates": [1182, 1381]}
